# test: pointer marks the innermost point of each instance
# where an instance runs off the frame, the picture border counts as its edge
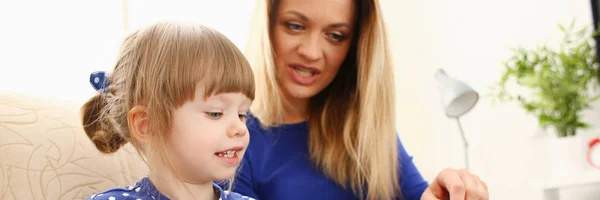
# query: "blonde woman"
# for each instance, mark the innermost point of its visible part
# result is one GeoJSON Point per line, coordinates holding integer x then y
{"type": "Point", "coordinates": [323, 117]}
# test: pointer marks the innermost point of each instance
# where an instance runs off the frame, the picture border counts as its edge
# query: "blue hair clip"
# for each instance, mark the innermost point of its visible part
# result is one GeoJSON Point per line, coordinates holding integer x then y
{"type": "Point", "coordinates": [99, 81]}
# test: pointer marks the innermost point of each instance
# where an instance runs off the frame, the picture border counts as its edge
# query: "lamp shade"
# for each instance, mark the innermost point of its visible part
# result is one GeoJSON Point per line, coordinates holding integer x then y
{"type": "Point", "coordinates": [457, 97]}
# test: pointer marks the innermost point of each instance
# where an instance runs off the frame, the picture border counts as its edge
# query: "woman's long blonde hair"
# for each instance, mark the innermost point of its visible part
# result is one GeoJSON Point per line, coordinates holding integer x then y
{"type": "Point", "coordinates": [352, 133]}
{"type": "Point", "coordinates": [159, 68]}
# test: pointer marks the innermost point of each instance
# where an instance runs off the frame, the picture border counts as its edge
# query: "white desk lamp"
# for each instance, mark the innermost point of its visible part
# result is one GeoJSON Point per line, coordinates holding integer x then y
{"type": "Point", "coordinates": [457, 98]}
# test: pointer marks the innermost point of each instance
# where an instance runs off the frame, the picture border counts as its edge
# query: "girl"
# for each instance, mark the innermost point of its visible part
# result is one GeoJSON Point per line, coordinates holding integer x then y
{"type": "Point", "coordinates": [179, 93]}
{"type": "Point", "coordinates": [324, 110]}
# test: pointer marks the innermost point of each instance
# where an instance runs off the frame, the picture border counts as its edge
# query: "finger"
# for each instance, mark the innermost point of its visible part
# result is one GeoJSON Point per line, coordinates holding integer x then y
{"type": "Point", "coordinates": [451, 180]}
{"type": "Point", "coordinates": [429, 195]}
{"type": "Point", "coordinates": [471, 185]}
{"type": "Point", "coordinates": [481, 188]}
{"type": "Point", "coordinates": [437, 190]}
{"type": "Point", "coordinates": [485, 186]}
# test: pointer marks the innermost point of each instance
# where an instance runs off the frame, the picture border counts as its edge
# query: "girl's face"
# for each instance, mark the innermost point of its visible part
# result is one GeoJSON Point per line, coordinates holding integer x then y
{"type": "Point", "coordinates": [311, 39]}
{"type": "Point", "coordinates": [208, 136]}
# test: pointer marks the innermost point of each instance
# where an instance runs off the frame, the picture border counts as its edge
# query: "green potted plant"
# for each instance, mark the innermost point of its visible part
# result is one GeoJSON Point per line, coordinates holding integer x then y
{"type": "Point", "coordinates": [559, 83]}
{"type": "Point", "coordinates": [556, 86]}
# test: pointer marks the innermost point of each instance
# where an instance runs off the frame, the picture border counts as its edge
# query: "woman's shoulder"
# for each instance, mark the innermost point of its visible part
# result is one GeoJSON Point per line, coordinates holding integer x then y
{"type": "Point", "coordinates": [252, 122]}
{"type": "Point", "coordinates": [255, 126]}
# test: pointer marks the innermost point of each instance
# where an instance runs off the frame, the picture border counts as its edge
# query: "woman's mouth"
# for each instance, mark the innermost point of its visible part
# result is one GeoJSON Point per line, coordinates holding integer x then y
{"type": "Point", "coordinates": [304, 72]}
{"type": "Point", "coordinates": [303, 75]}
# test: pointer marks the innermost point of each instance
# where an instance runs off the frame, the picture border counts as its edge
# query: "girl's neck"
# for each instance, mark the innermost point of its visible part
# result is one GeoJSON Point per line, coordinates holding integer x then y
{"type": "Point", "coordinates": [169, 185]}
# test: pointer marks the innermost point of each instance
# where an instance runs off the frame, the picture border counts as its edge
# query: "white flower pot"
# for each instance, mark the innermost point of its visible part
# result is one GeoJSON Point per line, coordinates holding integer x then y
{"type": "Point", "coordinates": [566, 155]}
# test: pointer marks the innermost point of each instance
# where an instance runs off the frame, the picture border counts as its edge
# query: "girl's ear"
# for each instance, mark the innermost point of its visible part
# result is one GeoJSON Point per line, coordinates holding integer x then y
{"type": "Point", "coordinates": [138, 124]}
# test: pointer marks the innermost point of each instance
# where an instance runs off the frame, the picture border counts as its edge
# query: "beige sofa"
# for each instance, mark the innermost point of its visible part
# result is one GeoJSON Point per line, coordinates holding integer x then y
{"type": "Point", "coordinates": [44, 153]}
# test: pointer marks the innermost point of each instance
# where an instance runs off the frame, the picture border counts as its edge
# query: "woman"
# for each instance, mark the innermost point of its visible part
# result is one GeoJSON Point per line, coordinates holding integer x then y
{"type": "Point", "coordinates": [323, 118]}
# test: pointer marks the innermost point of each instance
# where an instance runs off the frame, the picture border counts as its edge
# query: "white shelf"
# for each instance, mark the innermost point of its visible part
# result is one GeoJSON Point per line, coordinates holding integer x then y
{"type": "Point", "coordinates": [553, 185]}
{"type": "Point", "coordinates": [584, 178]}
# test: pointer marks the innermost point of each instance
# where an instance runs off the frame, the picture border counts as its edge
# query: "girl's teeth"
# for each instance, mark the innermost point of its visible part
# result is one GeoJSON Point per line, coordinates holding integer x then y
{"type": "Point", "coordinates": [226, 154]}
{"type": "Point", "coordinates": [304, 72]}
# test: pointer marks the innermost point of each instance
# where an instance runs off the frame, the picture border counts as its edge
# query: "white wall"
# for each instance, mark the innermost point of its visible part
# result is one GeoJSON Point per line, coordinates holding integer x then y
{"type": "Point", "coordinates": [470, 39]}
{"type": "Point", "coordinates": [230, 17]}
{"type": "Point", "coordinates": [49, 48]}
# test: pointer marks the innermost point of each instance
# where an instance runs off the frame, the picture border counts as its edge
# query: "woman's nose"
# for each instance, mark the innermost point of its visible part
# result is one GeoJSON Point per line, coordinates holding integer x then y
{"type": "Point", "coordinates": [309, 48]}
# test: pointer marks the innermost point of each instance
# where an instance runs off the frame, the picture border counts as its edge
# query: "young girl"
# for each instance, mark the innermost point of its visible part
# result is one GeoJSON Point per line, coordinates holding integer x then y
{"type": "Point", "coordinates": [179, 93]}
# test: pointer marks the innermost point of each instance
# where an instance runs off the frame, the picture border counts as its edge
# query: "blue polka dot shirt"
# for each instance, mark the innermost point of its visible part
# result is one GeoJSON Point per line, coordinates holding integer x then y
{"type": "Point", "coordinates": [145, 190]}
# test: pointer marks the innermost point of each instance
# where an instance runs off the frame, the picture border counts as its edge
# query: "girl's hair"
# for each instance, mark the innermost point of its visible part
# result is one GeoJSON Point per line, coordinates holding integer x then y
{"type": "Point", "coordinates": [159, 67]}
{"type": "Point", "coordinates": [352, 132]}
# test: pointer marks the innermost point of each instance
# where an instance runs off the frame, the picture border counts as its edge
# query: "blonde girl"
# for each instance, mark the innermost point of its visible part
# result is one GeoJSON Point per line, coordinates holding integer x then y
{"type": "Point", "coordinates": [179, 93]}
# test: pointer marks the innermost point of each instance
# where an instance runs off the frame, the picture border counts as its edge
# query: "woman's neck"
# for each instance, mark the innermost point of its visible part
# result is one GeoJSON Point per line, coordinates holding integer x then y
{"type": "Point", "coordinates": [295, 109]}
{"type": "Point", "coordinates": [169, 185]}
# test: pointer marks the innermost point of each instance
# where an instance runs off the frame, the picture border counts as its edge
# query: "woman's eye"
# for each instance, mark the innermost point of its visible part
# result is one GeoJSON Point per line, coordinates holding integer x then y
{"type": "Point", "coordinates": [214, 115]}
{"type": "Point", "coordinates": [294, 26]}
{"type": "Point", "coordinates": [337, 37]}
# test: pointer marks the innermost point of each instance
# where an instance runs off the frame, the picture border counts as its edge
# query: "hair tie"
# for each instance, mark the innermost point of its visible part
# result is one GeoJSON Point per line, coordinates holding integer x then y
{"type": "Point", "coordinates": [99, 81]}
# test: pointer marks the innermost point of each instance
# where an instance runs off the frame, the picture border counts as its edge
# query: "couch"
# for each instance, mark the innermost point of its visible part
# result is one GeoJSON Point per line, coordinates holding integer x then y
{"type": "Point", "coordinates": [44, 153]}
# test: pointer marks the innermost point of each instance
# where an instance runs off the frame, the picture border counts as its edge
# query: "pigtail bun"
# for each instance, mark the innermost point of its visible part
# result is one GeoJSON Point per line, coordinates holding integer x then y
{"type": "Point", "coordinates": [98, 127]}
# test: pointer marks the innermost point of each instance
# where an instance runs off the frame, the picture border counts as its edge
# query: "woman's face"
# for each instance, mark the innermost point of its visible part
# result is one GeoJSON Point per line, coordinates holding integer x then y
{"type": "Point", "coordinates": [311, 39]}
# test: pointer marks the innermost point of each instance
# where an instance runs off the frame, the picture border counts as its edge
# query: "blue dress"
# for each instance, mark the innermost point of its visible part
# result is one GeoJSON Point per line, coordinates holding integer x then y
{"type": "Point", "coordinates": [145, 190]}
{"type": "Point", "coordinates": [277, 166]}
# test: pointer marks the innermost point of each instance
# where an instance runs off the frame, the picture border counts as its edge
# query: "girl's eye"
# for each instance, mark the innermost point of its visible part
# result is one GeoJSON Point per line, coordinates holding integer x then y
{"type": "Point", "coordinates": [242, 117]}
{"type": "Point", "coordinates": [214, 115]}
{"type": "Point", "coordinates": [294, 26]}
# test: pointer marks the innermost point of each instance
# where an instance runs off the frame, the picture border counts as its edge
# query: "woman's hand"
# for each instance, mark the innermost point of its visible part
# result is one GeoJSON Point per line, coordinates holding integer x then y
{"type": "Point", "coordinates": [455, 184]}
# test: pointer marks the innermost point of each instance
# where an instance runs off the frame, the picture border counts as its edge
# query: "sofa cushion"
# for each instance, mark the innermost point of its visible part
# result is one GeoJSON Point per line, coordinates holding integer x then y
{"type": "Point", "coordinates": [44, 153]}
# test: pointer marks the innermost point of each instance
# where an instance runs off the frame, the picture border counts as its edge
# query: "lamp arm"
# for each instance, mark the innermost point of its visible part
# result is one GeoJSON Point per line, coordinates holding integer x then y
{"type": "Point", "coordinates": [465, 143]}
